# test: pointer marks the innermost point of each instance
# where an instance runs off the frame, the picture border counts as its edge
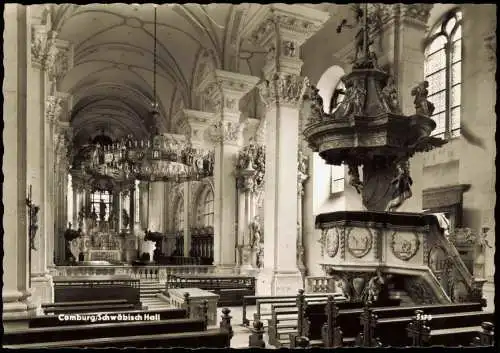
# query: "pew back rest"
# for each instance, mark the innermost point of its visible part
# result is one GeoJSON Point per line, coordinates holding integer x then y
{"type": "Point", "coordinates": [53, 320]}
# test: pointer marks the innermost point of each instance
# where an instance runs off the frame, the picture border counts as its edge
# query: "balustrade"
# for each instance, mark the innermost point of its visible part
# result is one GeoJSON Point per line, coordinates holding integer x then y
{"type": "Point", "coordinates": [320, 284]}
{"type": "Point", "coordinates": [156, 272]}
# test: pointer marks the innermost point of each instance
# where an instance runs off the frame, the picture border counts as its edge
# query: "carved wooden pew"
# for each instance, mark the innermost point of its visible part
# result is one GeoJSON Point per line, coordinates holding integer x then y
{"type": "Point", "coordinates": [159, 334]}
{"type": "Point", "coordinates": [231, 289]}
{"type": "Point", "coordinates": [486, 336]}
{"type": "Point", "coordinates": [352, 321]}
{"type": "Point", "coordinates": [289, 301]}
{"type": "Point", "coordinates": [54, 320]}
{"type": "Point", "coordinates": [285, 318]}
{"type": "Point", "coordinates": [85, 306]}
{"type": "Point", "coordinates": [449, 330]}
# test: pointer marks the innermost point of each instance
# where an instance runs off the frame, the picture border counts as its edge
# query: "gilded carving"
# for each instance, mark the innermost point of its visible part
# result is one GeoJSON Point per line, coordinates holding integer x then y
{"type": "Point", "coordinates": [359, 242]}
{"type": "Point", "coordinates": [404, 245]}
{"type": "Point", "coordinates": [283, 89]}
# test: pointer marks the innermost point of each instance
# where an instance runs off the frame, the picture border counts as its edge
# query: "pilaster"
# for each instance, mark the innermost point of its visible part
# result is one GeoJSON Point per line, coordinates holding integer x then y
{"type": "Point", "coordinates": [224, 90]}
{"type": "Point", "coordinates": [17, 306]}
{"type": "Point", "coordinates": [281, 29]}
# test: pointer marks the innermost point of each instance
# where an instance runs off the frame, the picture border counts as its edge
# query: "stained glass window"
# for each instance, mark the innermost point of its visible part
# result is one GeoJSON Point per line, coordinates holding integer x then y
{"type": "Point", "coordinates": [443, 71]}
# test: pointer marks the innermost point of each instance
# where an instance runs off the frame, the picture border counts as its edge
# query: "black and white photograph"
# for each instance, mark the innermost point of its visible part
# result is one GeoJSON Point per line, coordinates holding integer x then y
{"type": "Point", "coordinates": [249, 175]}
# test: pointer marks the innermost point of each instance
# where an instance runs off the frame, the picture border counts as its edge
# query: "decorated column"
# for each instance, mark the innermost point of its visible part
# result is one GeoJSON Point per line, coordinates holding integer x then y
{"type": "Point", "coordinates": [224, 90]}
{"type": "Point", "coordinates": [41, 57]}
{"type": "Point", "coordinates": [193, 124]}
{"type": "Point", "coordinates": [17, 306]}
{"type": "Point", "coordinates": [62, 162]}
{"type": "Point", "coordinates": [281, 30]}
{"type": "Point", "coordinates": [302, 176]}
{"type": "Point", "coordinates": [250, 167]}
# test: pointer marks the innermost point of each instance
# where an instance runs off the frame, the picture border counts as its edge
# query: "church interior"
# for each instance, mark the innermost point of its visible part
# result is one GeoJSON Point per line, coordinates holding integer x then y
{"type": "Point", "coordinates": [249, 175]}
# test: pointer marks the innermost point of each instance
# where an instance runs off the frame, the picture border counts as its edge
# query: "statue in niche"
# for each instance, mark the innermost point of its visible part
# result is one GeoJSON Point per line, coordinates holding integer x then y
{"type": "Point", "coordinates": [102, 210]}
{"type": "Point", "coordinates": [255, 233]}
{"type": "Point", "coordinates": [402, 186]}
{"type": "Point", "coordinates": [422, 106]}
{"type": "Point", "coordinates": [125, 218]}
{"type": "Point", "coordinates": [358, 97]}
{"type": "Point", "coordinates": [390, 96]}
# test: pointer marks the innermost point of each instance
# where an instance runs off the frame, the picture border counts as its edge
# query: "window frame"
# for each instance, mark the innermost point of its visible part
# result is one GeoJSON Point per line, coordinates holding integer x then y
{"type": "Point", "coordinates": [439, 29]}
{"type": "Point", "coordinates": [205, 214]}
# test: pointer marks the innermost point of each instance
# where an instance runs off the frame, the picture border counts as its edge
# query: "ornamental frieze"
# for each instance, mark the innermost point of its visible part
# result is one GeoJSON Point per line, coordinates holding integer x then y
{"type": "Point", "coordinates": [283, 89]}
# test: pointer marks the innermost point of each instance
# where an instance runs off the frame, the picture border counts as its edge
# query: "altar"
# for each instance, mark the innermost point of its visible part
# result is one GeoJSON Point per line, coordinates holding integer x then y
{"type": "Point", "coordinates": [98, 246]}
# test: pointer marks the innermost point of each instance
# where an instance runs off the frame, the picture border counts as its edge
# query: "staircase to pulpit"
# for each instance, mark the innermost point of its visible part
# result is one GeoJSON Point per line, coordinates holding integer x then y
{"type": "Point", "coordinates": [379, 252]}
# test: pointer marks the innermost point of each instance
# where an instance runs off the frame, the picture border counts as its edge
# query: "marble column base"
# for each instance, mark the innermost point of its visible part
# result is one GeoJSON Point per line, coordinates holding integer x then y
{"type": "Point", "coordinates": [248, 270]}
{"type": "Point", "coordinates": [271, 282]}
{"type": "Point", "coordinates": [489, 295]}
{"type": "Point", "coordinates": [17, 309]}
{"type": "Point", "coordinates": [42, 288]}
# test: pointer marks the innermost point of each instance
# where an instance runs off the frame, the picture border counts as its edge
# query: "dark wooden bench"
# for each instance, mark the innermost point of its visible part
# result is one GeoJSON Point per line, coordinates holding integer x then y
{"type": "Point", "coordinates": [349, 319]}
{"type": "Point", "coordinates": [210, 339]}
{"type": "Point", "coordinates": [132, 334]}
{"type": "Point", "coordinates": [231, 289]}
{"type": "Point", "coordinates": [259, 301]}
{"type": "Point", "coordinates": [53, 320]}
{"type": "Point", "coordinates": [103, 330]}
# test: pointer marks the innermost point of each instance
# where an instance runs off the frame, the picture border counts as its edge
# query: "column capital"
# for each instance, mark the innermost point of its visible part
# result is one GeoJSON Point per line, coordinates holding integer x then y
{"type": "Point", "coordinates": [284, 89]}
{"type": "Point", "coordinates": [416, 14]}
{"type": "Point", "coordinates": [193, 124]}
{"type": "Point", "coordinates": [225, 89]}
{"type": "Point", "coordinates": [62, 61]}
{"type": "Point", "coordinates": [226, 132]}
{"type": "Point", "coordinates": [281, 29]}
{"type": "Point", "coordinates": [43, 47]}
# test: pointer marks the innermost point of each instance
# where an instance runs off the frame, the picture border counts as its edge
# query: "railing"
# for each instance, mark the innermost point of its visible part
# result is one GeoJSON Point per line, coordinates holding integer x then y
{"type": "Point", "coordinates": [156, 272]}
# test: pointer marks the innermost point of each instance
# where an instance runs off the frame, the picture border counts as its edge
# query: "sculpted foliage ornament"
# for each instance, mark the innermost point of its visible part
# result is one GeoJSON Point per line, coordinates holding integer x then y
{"type": "Point", "coordinates": [250, 166]}
{"type": "Point", "coordinates": [60, 66]}
{"type": "Point", "coordinates": [43, 48]}
{"type": "Point", "coordinates": [225, 131]}
{"type": "Point", "coordinates": [54, 108]}
{"type": "Point", "coordinates": [283, 89]}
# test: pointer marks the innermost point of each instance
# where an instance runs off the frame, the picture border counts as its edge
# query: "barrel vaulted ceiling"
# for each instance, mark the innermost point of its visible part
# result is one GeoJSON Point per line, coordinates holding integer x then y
{"type": "Point", "coordinates": [111, 81]}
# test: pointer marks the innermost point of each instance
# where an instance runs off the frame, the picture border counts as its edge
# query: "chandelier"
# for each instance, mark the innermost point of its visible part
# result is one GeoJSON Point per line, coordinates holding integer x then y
{"type": "Point", "coordinates": [160, 157]}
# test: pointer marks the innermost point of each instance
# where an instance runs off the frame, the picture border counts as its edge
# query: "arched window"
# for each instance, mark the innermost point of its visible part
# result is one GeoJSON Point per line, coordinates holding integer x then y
{"type": "Point", "coordinates": [205, 216]}
{"type": "Point", "coordinates": [443, 71]}
{"type": "Point", "coordinates": [179, 215]}
{"type": "Point", "coordinates": [95, 202]}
